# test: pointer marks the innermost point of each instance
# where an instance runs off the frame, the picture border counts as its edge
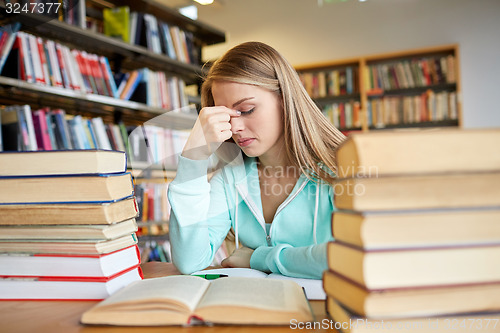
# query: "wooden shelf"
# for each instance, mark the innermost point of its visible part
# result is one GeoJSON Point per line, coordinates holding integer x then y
{"type": "Point", "coordinates": [413, 91]}
{"type": "Point", "coordinates": [336, 99]}
{"type": "Point", "coordinates": [25, 92]}
{"type": "Point", "coordinates": [131, 56]}
{"type": "Point", "coordinates": [367, 97]}
{"type": "Point", "coordinates": [425, 124]}
{"type": "Point", "coordinates": [207, 34]}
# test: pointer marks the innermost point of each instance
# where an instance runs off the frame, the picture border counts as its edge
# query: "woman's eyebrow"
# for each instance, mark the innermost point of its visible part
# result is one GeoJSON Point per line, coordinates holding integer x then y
{"type": "Point", "coordinates": [241, 101]}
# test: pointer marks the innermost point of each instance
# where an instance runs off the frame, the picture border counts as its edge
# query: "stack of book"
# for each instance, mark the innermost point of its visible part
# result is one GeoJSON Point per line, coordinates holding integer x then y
{"type": "Point", "coordinates": [67, 225]}
{"type": "Point", "coordinates": [417, 234]}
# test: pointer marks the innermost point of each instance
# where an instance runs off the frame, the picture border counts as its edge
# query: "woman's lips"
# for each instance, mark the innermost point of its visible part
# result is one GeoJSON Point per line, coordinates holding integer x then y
{"type": "Point", "coordinates": [245, 142]}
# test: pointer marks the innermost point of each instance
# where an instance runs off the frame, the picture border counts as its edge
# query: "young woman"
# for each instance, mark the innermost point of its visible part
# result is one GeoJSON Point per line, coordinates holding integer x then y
{"type": "Point", "coordinates": [274, 188]}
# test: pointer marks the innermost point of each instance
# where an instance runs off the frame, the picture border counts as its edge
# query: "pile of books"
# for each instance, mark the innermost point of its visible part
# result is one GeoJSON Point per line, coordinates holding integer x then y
{"type": "Point", "coordinates": [417, 234]}
{"type": "Point", "coordinates": [67, 225]}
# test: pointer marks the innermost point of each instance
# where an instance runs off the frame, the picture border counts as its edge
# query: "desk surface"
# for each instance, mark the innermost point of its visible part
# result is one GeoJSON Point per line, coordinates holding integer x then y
{"type": "Point", "coordinates": [64, 316]}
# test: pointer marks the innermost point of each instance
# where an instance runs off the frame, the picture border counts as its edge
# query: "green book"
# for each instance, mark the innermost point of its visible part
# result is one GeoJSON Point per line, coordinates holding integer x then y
{"type": "Point", "coordinates": [116, 22]}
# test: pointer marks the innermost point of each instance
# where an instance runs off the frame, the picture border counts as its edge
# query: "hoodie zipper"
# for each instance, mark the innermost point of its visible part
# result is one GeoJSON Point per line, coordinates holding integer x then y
{"type": "Point", "coordinates": [282, 206]}
{"type": "Point", "coordinates": [285, 203]}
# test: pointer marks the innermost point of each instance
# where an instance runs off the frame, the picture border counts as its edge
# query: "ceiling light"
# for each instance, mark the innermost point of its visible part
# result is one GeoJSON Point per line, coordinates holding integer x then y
{"type": "Point", "coordinates": [204, 2]}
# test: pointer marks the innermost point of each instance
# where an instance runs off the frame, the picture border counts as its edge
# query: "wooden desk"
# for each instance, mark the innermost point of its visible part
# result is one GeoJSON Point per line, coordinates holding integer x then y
{"type": "Point", "coordinates": [64, 316]}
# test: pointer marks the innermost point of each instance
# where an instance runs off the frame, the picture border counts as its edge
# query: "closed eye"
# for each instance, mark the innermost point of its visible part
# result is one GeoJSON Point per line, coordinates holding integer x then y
{"type": "Point", "coordinates": [246, 113]}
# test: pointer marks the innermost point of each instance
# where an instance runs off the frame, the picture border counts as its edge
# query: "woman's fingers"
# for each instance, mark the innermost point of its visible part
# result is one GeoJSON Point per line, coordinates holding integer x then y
{"type": "Point", "coordinates": [211, 129]}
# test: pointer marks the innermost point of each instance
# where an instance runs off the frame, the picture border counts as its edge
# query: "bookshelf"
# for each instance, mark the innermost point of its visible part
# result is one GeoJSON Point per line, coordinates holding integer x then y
{"type": "Point", "coordinates": [417, 88]}
{"type": "Point", "coordinates": [149, 169]}
{"type": "Point", "coordinates": [122, 57]}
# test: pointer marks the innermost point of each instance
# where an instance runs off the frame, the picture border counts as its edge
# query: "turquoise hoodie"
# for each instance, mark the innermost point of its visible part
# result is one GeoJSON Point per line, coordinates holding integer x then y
{"type": "Point", "coordinates": [203, 212]}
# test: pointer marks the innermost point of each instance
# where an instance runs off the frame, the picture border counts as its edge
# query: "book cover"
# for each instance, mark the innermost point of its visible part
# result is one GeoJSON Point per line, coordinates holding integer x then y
{"type": "Point", "coordinates": [95, 267]}
{"type": "Point", "coordinates": [418, 267]}
{"type": "Point", "coordinates": [77, 213]}
{"type": "Point", "coordinates": [41, 288]}
{"type": "Point", "coordinates": [116, 22]}
{"type": "Point", "coordinates": [9, 35]}
{"type": "Point", "coordinates": [65, 188]}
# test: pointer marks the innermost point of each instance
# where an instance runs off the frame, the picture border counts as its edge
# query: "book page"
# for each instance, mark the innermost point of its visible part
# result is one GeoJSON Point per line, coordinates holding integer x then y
{"type": "Point", "coordinates": [253, 292]}
{"type": "Point", "coordinates": [237, 272]}
{"type": "Point", "coordinates": [313, 288]}
{"type": "Point", "coordinates": [187, 290]}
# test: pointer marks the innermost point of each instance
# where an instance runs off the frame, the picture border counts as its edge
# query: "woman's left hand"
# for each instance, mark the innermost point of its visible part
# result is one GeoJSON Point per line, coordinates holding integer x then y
{"type": "Point", "coordinates": [239, 258]}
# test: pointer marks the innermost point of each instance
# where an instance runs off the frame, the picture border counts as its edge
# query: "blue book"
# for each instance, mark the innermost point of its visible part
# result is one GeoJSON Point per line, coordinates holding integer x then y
{"type": "Point", "coordinates": [133, 86]}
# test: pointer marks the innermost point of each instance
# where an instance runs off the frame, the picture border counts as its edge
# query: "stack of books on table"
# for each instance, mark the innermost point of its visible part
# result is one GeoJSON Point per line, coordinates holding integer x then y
{"type": "Point", "coordinates": [67, 225]}
{"type": "Point", "coordinates": [417, 234]}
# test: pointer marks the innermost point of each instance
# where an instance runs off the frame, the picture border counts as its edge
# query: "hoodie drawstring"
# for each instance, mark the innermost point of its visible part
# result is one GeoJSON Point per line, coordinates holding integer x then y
{"type": "Point", "coordinates": [315, 223]}
{"type": "Point", "coordinates": [236, 240]}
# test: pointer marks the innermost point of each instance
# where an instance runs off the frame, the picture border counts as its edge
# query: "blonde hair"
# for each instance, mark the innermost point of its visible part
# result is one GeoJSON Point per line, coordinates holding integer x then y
{"type": "Point", "coordinates": [310, 138]}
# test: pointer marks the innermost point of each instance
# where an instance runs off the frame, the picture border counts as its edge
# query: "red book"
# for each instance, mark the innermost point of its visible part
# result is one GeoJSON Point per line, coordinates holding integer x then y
{"type": "Point", "coordinates": [83, 70]}
{"type": "Point", "coordinates": [64, 67]}
{"type": "Point", "coordinates": [85, 57]}
{"type": "Point", "coordinates": [65, 266]}
{"type": "Point", "coordinates": [97, 74]}
{"type": "Point", "coordinates": [19, 46]}
{"type": "Point", "coordinates": [41, 130]}
{"type": "Point", "coordinates": [105, 75]}
{"type": "Point", "coordinates": [43, 61]}
{"type": "Point", "coordinates": [342, 115]}
{"type": "Point", "coordinates": [3, 38]}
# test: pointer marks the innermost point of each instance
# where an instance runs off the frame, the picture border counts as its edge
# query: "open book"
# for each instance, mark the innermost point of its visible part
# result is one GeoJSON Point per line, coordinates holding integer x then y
{"type": "Point", "coordinates": [182, 300]}
{"type": "Point", "coordinates": [312, 287]}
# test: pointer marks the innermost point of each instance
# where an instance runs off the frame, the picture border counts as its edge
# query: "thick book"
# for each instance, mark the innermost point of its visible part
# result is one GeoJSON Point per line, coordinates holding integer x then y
{"type": "Point", "coordinates": [347, 322]}
{"type": "Point", "coordinates": [24, 231]}
{"type": "Point", "coordinates": [417, 228]}
{"type": "Point", "coordinates": [69, 247]}
{"type": "Point", "coordinates": [312, 287]}
{"type": "Point", "coordinates": [48, 288]}
{"type": "Point", "coordinates": [182, 300]}
{"type": "Point", "coordinates": [71, 213]}
{"type": "Point", "coordinates": [62, 162]}
{"type": "Point", "coordinates": [422, 267]}
{"type": "Point", "coordinates": [94, 267]}
{"type": "Point", "coordinates": [418, 152]}
{"type": "Point", "coordinates": [65, 189]}
{"type": "Point", "coordinates": [412, 302]}
{"type": "Point", "coordinates": [432, 191]}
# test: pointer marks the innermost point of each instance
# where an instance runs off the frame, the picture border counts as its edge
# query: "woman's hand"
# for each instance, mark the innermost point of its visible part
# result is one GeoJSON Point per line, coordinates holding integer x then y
{"type": "Point", "coordinates": [211, 129]}
{"type": "Point", "coordinates": [239, 258]}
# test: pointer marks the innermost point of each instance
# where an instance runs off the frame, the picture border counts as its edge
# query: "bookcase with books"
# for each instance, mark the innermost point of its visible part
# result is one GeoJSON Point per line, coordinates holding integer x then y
{"type": "Point", "coordinates": [69, 80]}
{"type": "Point", "coordinates": [407, 89]}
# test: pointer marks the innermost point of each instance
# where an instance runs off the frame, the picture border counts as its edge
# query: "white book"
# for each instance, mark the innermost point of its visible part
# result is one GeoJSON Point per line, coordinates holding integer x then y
{"type": "Point", "coordinates": [44, 61]}
{"type": "Point", "coordinates": [72, 71]}
{"type": "Point", "coordinates": [76, 70]}
{"type": "Point", "coordinates": [118, 137]}
{"type": "Point", "coordinates": [132, 27]}
{"type": "Point", "coordinates": [35, 57]}
{"type": "Point", "coordinates": [153, 39]}
{"type": "Point", "coordinates": [28, 63]}
{"type": "Point", "coordinates": [54, 63]}
{"type": "Point", "coordinates": [101, 135]}
{"type": "Point", "coordinates": [26, 109]}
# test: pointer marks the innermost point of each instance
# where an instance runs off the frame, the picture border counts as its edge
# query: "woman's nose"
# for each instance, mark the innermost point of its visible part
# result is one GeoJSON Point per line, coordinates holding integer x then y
{"type": "Point", "coordinates": [237, 124]}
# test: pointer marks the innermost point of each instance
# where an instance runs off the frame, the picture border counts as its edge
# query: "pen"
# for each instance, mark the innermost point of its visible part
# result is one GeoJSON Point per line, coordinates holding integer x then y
{"type": "Point", "coordinates": [211, 276]}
